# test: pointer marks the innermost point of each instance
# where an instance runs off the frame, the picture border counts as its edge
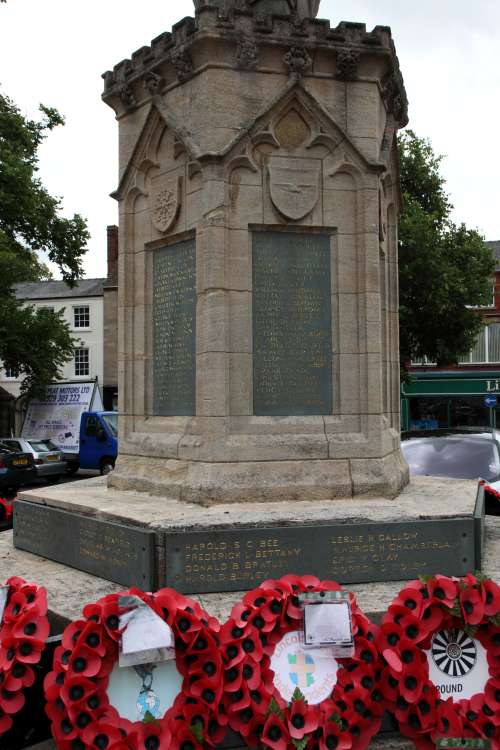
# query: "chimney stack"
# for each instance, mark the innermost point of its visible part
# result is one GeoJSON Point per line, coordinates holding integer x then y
{"type": "Point", "coordinates": [112, 254]}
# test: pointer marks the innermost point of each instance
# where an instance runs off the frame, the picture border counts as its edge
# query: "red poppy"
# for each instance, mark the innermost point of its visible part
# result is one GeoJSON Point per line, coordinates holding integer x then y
{"type": "Point", "coordinates": [334, 737]}
{"type": "Point", "coordinates": [413, 629]}
{"type": "Point", "coordinates": [492, 694]}
{"type": "Point", "coordinates": [302, 719]}
{"type": "Point", "coordinates": [389, 634]}
{"type": "Point", "coordinates": [184, 739]}
{"type": "Point", "coordinates": [274, 733]}
{"type": "Point", "coordinates": [490, 592]}
{"type": "Point", "coordinates": [448, 720]}
{"type": "Point", "coordinates": [152, 736]}
{"type": "Point", "coordinates": [99, 735]}
{"type": "Point", "coordinates": [472, 605]}
{"type": "Point", "coordinates": [443, 590]}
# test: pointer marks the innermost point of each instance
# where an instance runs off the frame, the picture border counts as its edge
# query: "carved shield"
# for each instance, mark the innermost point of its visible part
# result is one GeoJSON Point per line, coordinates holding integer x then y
{"type": "Point", "coordinates": [166, 196]}
{"type": "Point", "coordinates": [294, 185]}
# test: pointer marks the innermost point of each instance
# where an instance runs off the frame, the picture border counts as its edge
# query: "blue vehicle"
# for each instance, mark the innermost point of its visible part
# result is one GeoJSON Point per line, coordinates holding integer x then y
{"type": "Point", "coordinates": [98, 442]}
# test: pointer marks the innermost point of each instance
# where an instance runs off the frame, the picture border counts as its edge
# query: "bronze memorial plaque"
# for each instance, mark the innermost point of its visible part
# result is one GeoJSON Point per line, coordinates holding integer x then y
{"type": "Point", "coordinates": [119, 553]}
{"type": "Point", "coordinates": [292, 325]}
{"type": "Point", "coordinates": [174, 330]}
{"type": "Point", "coordinates": [239, 559]}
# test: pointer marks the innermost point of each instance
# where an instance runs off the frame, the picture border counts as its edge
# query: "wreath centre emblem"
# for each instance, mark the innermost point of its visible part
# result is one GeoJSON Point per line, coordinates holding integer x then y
{"type": "Point", "coordinates": [453, 652]}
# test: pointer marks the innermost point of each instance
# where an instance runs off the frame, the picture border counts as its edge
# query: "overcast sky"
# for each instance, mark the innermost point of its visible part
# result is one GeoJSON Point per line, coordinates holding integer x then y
{"type": "Point", "coordinates": [54, 51]}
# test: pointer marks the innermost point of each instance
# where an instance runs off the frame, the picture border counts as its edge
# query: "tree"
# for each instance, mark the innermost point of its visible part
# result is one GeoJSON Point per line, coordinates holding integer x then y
{"type": "Point", "coordinates": [443, 268]}
{"type": "Point", "coordinates": [33, 343]}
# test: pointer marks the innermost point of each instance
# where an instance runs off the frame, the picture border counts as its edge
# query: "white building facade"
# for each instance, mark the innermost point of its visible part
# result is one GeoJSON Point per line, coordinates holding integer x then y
{"type": "Point", "coordinates": [83, 311]}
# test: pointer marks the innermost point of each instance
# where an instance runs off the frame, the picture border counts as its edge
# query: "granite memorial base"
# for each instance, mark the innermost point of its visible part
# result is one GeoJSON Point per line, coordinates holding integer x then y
{"type": "Point", "coordinates": [434, 525]}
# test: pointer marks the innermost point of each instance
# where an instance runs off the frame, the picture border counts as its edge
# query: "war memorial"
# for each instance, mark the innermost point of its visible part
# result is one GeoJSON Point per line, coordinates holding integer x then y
{"type": "Point", "coordinates": [259, 376]}
{"type": "Point", "coordinates": [258, 320]}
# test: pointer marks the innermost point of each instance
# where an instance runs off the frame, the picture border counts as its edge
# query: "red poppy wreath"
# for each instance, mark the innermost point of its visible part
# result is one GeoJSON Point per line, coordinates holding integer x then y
{"type": "Point", "coordinates": [280, 696]}
{"type": "Point", "coordinates": [173, 705]}
{"type": "Point", "coordinates": [440, 641]}
{"type": "Point", "coordinates": [24, 629]}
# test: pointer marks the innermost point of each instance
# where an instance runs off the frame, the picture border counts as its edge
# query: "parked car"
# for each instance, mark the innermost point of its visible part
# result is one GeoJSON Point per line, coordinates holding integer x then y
{"type": "Point", "coordinates": [48, 459]}
{"type": "Point", "coordinates": [459, 453]}
{"type": "Point", "coordinates": [16, 468]}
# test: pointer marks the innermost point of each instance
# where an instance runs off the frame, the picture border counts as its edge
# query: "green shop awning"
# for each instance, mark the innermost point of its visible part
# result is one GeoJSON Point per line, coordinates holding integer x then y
{"type": "Point", "coordinates": [452, 384]}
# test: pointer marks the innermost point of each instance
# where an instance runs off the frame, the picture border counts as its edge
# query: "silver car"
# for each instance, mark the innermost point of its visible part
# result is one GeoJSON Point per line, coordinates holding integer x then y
{"type": "Point", "coordinates": [49, 460]}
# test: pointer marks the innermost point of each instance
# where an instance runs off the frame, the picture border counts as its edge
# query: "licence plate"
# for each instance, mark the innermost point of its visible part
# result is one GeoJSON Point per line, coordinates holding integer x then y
{"type": "Point", "coordinates": [20, 461]}
{"type": "Point", "coordinates": [52, 458]}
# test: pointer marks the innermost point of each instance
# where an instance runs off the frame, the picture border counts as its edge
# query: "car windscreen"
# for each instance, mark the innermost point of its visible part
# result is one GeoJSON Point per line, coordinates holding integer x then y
{"type": "Point", "coordinates": [11, 445]}
{"type": "Point", "coordinates": [111, 421]}
{"type": "Point", "coordinates": [4, 448]}
{"type": "Point", "coordinates": [461, 458]}
{"type": "Point", "coordinates": [43, 446]}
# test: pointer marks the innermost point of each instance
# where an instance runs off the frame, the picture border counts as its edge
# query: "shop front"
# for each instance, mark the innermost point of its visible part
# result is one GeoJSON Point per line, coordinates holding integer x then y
{"type": "Point", "coordinates": [441, 399]}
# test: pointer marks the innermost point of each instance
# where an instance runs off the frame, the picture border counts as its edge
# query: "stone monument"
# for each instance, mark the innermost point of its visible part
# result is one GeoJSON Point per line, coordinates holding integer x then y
{"type": "Point", "coordinates": [258, 292]}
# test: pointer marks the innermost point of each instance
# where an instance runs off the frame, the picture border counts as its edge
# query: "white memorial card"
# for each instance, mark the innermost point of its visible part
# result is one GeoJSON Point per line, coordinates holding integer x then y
{"type": "Point", "coordinates": [329, 624]}
{"type": "Point", "coordinates": [146, 638]}
{"type": "Point", "coordinates": [4, 592]}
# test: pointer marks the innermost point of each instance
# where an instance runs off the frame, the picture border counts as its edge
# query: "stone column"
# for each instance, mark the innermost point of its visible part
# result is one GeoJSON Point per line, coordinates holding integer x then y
{"type": "Point", "coordinates": [259, 195]}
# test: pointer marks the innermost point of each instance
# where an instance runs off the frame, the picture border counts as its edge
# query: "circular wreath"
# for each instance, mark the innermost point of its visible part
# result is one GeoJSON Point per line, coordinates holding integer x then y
{"type": "Point", "coordinates": [24, 629]}
{"type": "Point", "coordinates": [76, 689]}
{"type": "Point", "coordinates": [420, 611]}
{"type": "Point", "coordinates": [351, 714]}
{"type": "Point", "coordinates": [6, 510]}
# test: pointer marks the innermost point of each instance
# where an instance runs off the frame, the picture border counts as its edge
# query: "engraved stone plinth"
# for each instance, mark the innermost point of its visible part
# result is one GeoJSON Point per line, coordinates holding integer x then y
{"type": "Point", "coordinates": [435, 526]}
{"type": "Point", "coordinates": [115, 551]}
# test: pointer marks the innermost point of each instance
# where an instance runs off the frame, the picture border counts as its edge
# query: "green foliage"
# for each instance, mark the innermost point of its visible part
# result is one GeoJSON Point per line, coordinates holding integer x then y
{"type": "Point", "coordinates": [197, 732]}
{"type": "Point", "coordinates": [301, 744]}
{"type": "Point", "coordinates": [443, 268]}
{"type": "Point", "coordinates": [298, 695]}
{"type": "Point", "coordinates": [274, 709]}
{"type": "Point", "coordinates": [149, 718]}
{"type": "Point", "coordinates": [33, 343]}
{"type": "Point", "coordinates": [336, 718]}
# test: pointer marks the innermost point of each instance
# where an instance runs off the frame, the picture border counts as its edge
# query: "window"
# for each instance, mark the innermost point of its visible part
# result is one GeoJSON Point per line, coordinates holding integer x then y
{"type": "Point", "coordinates": [91, 426]}
{"type": "Point", "coordinates": [488, 304]}
{"type": "Point", "coordinates": [48, 308]}
{"type": "Point", "coordinates": [81, 316]}
{"type": "Point", "coordinates": [486, 349]}
{"type": "Point", "coordinates": [9, 373]}
{"type": "Point", "coordinates": [423, 362]}
{"type": "Point", "coordinates": [81, 362]}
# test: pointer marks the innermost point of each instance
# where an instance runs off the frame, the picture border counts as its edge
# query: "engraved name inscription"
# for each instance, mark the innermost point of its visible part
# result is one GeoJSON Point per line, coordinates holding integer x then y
{"type": "Point", "coordinates": [112, 551]}
{"type": "Point", "coordinates": [174, 330]}
{"type": "Point", "coordinates": [292, 328]}
{"type": "Point", "coordinates": [201, 562]}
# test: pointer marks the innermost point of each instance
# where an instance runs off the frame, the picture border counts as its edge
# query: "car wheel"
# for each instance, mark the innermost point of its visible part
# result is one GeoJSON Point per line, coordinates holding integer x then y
{"type": "Point", "coordinates": [72, 467]}
{"type": "Point", "coordinates": [107, 466]}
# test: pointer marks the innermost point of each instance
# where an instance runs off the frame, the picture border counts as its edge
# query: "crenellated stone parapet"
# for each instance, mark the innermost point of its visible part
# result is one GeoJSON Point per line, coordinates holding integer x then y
{"type": "Point", "coordinates": [222, 36]}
